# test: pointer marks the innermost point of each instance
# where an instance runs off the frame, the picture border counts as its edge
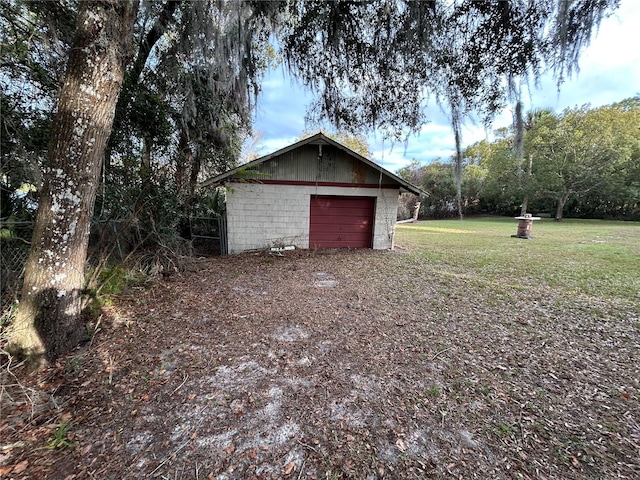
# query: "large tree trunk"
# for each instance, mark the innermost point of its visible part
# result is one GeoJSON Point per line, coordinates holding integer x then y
{"type": "Point", "coordinates": [562, 200]}
{"type": "Point", "coordinates": [48, 322]}
{"type": "Point", "coordinates": [457, 133]}
{"type": "Point", "coordinates": [524, 205]}
{"type": "Point", "coordinates": [196, 165]}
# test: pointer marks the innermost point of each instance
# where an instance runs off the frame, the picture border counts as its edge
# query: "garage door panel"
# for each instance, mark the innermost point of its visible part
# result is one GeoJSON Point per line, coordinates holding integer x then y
{"type": "Point", "coordinates": [337, 227]}
{"type": "Point", "coordinates": [342, 236]}
{"type": "Point", "coordinates": [341, 229]}
{"type": "Point", "coordinates": [328, 201]}
{"type": "Point", "coordinates": [344, 211]}
{"type": "Point", "coordinates": [338, 222]}
{"type": "Point", "coordinates": [338, 243]}
{"type": "Point", "coordinates": [335, 244]}
{"type": "Point", "coordinates": [329, 220]}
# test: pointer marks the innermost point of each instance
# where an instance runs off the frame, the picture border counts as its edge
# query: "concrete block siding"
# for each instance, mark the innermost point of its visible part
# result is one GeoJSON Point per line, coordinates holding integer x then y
{"type": "Point", "coordinates": [261, 216]}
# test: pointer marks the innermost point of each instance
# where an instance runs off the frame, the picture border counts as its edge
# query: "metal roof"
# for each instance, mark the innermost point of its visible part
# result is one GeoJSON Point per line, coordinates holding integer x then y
{"type": "Point", "coordinates": [317, 139]}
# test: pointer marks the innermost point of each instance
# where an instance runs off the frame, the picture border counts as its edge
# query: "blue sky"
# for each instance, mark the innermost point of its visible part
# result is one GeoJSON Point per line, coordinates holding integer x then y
{"type": "Point", "coordinates": [609, 72]}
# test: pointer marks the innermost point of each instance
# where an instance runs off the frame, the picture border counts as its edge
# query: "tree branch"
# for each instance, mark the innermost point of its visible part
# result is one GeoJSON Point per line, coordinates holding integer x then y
{"type": "Point", "coordinates": [159, 28]}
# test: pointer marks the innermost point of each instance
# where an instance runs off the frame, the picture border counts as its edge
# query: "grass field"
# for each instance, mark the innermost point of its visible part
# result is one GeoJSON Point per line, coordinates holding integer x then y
{"type": "Point", "coordinates": [588, 257]}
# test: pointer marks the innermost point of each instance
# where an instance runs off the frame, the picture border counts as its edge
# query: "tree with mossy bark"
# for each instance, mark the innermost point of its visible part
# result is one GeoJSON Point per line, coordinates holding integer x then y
{"type": "Point", "coordinates": [48, 321]}
{"type": "Point", "coordinates": [212, 46]}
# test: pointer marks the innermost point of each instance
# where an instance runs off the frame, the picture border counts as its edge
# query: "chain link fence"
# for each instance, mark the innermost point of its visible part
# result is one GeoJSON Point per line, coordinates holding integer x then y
{"type": "Point", "coordinates": [14, 249]}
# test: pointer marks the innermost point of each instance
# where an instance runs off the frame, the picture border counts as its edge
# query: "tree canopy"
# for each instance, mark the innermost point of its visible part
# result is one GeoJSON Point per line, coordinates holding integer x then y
{"type": "Point", "coordinates": [376, 64]}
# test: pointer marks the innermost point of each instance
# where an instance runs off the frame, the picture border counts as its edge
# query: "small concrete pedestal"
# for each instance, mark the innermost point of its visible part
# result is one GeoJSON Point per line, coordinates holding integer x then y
{"type": "Point", "coordinates": [524, 226]}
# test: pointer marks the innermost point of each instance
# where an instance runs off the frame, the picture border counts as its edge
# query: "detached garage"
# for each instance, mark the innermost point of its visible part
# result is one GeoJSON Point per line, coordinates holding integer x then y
{"type": "Point", "coordinates": [315, 193]}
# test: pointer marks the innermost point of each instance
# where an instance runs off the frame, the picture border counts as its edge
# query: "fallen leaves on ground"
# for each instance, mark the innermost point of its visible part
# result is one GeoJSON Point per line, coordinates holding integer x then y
{"type": "Point", "coordinates": [337, 364]}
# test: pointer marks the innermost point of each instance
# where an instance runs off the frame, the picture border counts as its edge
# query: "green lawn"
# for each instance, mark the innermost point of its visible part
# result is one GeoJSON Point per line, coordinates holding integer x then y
{"type": "Point", "coordinates": [590, 257]}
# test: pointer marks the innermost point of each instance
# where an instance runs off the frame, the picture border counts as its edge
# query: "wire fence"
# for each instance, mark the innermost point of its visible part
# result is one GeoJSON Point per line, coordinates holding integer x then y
{"type": "Point", "coordinates": [208, 238]}
{"type": "Point", "coordinates": [14, 249]}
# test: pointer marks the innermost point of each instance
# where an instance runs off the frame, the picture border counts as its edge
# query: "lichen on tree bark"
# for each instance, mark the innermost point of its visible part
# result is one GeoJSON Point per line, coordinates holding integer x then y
{"type": "Point", "coordinates": [48, 321]}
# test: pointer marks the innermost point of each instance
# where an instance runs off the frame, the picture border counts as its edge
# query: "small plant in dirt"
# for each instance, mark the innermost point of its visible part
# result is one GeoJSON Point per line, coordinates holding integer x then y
{"type": "Point", "coordinates": [503, 429]}
{"type": "Point", "coordinates": [112, 280]}
{"type": "Point", "coordinates": [104, 284]}
{"type": "Point", "coordinates": [60, 439]}
{"type": "Point", "coordinates": [434, 391]}
{"type": "Point", "coordinates": [483, 390]}
{"type": "Point", "coordinates": [74, 365]}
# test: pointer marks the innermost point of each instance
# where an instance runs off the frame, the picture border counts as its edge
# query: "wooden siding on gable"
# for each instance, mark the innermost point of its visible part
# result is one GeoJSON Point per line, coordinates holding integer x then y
{"type": "Point", "coordinates": [304, 165]}
{"type": "Point", "coordinates": [314, 161]}
{"type": "Point", "coordinates": [360, 172]}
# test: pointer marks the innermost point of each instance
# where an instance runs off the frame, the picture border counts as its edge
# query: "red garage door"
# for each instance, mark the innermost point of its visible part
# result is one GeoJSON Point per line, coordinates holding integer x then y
{"type": "Point", "coordinates": [341, 222]}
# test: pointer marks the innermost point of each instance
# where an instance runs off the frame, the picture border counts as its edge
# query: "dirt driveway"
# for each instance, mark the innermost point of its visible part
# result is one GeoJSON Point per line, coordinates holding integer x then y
{"type": "Point", "coordinates": [327, 365]}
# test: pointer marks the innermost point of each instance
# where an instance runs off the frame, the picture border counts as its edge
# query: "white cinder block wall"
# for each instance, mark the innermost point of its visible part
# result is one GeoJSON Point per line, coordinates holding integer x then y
{"type": "Point", "coordinates": [261, 216]}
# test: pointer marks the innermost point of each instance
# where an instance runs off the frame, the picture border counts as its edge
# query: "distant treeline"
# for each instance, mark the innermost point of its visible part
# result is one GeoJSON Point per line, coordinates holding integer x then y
{"type": "Point", "coordinates": [583, 163]}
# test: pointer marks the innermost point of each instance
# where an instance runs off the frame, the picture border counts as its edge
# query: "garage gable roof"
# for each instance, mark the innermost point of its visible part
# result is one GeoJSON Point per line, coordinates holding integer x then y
{"type": "Point", "coordinates": [317, 139]}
